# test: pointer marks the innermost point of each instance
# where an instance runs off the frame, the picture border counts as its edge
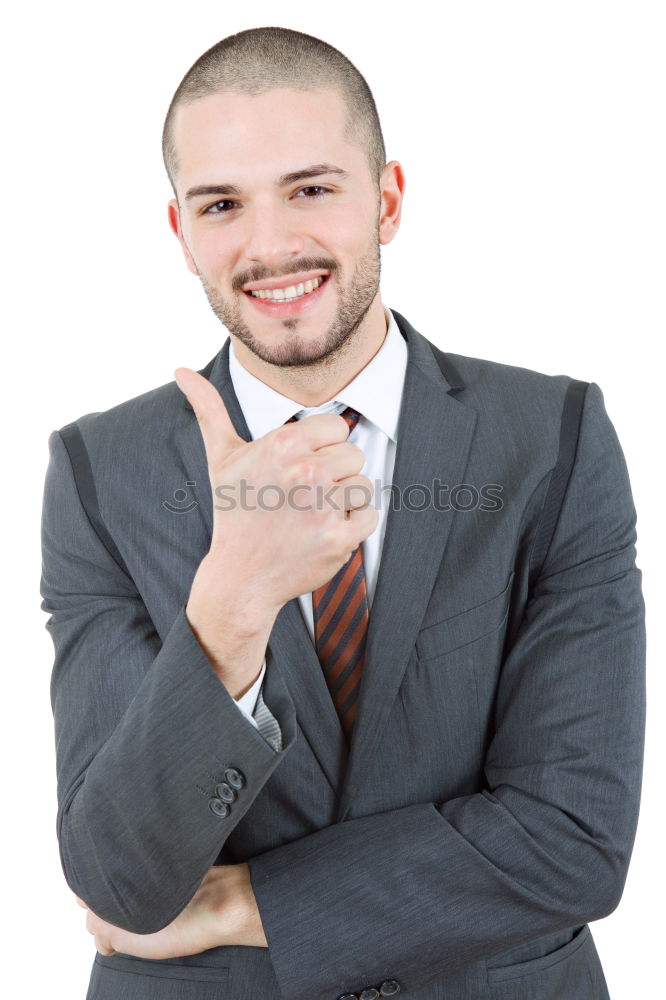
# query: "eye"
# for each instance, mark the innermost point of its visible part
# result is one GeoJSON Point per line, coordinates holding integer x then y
{"type": "Point", "coordinates": [218, 209]}
{"type": "Point", "coordinates": [313, 191]}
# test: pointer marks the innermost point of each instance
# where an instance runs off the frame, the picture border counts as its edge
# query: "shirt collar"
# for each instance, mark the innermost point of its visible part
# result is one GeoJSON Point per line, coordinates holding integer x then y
{"type": "Point", "coordinates": [376, 392]}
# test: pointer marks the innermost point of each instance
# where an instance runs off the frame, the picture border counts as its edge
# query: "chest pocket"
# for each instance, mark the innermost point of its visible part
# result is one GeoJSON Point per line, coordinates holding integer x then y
{"type": "Point", "coordinates": [465, 626]}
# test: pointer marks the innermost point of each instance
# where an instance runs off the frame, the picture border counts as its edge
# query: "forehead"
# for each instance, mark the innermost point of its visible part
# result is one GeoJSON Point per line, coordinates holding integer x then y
{"type": "Point", "coordinates": [249, 136]}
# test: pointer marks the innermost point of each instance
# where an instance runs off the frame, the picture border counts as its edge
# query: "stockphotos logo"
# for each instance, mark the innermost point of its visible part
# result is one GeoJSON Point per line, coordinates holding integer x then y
{"type": "Point", "coordinates": [441, 496]}
{"type": "Point", "coordinates": [462, 497]}
{"type": "Point", "coordinates": [181, 503]}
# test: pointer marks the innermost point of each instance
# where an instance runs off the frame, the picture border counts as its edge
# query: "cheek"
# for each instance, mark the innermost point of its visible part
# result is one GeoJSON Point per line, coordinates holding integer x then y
{"type": "Point", "coordinates": [346, 231]}
{"type": "Point", "coordinates": [213, 255]}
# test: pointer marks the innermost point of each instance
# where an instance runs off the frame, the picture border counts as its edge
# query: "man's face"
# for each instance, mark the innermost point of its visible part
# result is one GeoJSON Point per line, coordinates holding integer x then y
{"type": "Point", "coordinates": [273, 199]}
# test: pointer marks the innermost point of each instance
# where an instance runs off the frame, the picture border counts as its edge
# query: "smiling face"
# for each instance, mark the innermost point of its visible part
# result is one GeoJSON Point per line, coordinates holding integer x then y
{"type": "Point", "coordinates": [278, 214]}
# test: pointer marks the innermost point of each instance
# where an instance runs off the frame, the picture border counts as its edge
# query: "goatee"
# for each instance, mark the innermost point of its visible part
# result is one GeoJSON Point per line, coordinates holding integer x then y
{"type": "Point", "coordinates": [354, 301]}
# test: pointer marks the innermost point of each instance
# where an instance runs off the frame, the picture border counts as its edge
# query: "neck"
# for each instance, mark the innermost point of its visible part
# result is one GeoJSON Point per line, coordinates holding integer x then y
{"type": "Point", "coordinates": [312, 385]}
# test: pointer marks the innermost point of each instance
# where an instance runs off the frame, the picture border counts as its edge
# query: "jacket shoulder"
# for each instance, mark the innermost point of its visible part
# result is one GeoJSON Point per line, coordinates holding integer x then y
{"type": "Point", "coordinates": [142, 418]}
{"type": "Point", "coordinates": [483, 374]}
{"type": "Point", "coordinates": [510, 393]}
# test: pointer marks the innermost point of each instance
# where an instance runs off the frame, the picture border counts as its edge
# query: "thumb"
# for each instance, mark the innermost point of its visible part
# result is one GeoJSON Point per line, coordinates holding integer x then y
{"type": "Point", "coordinates": [218, 432]}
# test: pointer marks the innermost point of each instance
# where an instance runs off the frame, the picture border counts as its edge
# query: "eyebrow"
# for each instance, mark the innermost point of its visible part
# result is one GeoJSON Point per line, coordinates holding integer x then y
{"type": "Point", "coordinates": [316, 170]}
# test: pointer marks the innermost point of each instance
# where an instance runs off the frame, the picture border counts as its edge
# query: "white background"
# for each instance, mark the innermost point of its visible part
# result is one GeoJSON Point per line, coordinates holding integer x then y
{"type": "Point", "coordinates": [532, 138]}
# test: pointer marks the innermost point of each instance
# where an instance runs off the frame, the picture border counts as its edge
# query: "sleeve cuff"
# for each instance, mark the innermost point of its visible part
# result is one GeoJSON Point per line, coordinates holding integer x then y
{"type": "Point", "coordinates": [248, 701]}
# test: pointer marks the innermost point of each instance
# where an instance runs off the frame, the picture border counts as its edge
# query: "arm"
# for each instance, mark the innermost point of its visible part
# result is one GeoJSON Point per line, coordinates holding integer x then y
{"type": "Point", "coordinates": [414, 893]}
{"type": "Point", "coordinates": [147, 725]}
{"type": "Point", "coordinates": [144, 729]}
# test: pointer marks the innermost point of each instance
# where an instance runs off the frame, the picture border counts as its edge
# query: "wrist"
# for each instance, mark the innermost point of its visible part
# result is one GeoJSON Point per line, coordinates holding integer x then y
{"type": "Point", "coordinates": [253, 928]}
{"type": "Point", "coordinates": [220, 593]}
{"type": "Point", "coordinates": [232, 913]}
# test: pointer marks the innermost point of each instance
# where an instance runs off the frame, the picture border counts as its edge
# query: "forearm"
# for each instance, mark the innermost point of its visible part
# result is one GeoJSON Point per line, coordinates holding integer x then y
{"type": "Point", "coordinates": [414, 894]}
{"type": "Point", "coordinates": [409, 895]}
{"type": "Point", "coordinates": [145, 729]}
{"type": "Point", "coordinates": [230, 623]}
{"type": "Point", "coordinates": [137, 834]}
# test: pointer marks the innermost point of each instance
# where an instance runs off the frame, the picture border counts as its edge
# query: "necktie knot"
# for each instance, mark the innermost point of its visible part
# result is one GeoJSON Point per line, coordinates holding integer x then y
{"type": "Point", "coordinates": [349, 414]}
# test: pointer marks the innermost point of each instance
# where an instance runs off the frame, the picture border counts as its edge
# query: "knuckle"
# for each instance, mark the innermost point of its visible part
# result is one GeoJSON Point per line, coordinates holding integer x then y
{"type": "Point", "coordinates": [358, 493]}
{"type": "Point", "coordinates": [283, 438]}
{"type": "Point", "coordinates": [305, 470]}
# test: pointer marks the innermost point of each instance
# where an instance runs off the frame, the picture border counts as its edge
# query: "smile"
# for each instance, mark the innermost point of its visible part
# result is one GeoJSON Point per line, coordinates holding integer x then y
{"type": "Point", "coordinates": [292, 300]}
{"type": "Point", "coordinates": [290, 294]}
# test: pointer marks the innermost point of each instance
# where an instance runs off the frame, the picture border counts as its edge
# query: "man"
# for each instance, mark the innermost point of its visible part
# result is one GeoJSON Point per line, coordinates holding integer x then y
{"type": "Point", "coordinates": [312, 746]}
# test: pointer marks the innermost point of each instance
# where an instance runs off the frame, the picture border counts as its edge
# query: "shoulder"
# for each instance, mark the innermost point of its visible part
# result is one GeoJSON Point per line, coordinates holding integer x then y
{"type": "Point", "coordinates": [489, 386]}
{"type": "Point", "coordinates": [150, 416]}
{"type": "Point", "coordinates": [511, 393]}
{"type": "Point", "coordinates": [523, 415]}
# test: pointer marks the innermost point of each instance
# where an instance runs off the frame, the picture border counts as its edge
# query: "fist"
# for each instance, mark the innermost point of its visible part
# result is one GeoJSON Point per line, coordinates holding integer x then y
{"type": "Point", "coordinates": [288, 508]}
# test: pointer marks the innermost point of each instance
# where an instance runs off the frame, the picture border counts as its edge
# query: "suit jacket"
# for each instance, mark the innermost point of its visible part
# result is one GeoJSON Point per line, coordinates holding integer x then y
{"type": "Point", "coordinates": [485, 811]}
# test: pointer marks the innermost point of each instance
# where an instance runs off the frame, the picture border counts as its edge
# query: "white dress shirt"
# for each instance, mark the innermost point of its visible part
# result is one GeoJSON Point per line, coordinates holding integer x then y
{"type": "Point", "coordinates": [376, 393]}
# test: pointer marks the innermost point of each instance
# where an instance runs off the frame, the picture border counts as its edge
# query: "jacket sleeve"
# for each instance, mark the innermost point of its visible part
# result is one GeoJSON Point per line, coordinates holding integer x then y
{"type": "Point", "coordinates": [415, 893]}
{"type": "Point", "coordinates": [145, 730]}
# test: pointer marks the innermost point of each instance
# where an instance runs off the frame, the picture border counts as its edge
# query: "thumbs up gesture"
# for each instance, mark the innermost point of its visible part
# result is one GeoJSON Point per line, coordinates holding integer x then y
{"type": "Point", "coordinates": [288, 510]}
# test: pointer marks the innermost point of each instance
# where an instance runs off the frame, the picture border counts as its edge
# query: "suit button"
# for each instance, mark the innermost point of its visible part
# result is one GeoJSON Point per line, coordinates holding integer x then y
{"type": "Point", "coordinates": [370, 994]}
{"type": "Point", "coordinates": [225, 792]}
{"type": "Point", "coordinates": [234, 777]}
{"type": "Point", "coordinates": [218, 807]}
{"type": "Point", "coordinates": [389, 988]}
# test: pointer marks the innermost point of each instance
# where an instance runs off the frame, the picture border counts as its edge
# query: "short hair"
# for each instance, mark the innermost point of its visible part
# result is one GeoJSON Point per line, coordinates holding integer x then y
{"type": "Point", "coordinates": [260, 59]}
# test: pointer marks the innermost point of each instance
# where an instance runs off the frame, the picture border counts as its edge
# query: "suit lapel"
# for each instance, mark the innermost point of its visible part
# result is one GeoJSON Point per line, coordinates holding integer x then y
{"type": "Point", "coordinates": [435, 432]}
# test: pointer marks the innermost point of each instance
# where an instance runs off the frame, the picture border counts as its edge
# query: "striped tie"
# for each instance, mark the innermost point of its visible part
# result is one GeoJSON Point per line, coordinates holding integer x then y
{"type": "Point", "coordinates": [340, 612]}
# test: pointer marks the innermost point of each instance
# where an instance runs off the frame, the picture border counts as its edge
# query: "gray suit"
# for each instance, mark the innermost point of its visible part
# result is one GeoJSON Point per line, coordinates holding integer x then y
{"type": "Point", "coordinates": [487, 807]}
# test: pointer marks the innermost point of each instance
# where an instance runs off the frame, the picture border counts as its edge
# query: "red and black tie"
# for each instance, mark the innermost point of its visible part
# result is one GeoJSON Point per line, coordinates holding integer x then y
{"type": "Point", "coordinates": [340, 612]}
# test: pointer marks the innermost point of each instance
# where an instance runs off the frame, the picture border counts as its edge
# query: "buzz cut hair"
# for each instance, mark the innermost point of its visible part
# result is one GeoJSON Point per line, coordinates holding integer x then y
{"type": "Point", "coordinates": [261, 59]}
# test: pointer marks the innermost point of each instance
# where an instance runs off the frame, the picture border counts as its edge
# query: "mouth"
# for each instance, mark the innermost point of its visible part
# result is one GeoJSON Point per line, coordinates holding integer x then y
{"type": "Point", "coordinates": [289, 300]}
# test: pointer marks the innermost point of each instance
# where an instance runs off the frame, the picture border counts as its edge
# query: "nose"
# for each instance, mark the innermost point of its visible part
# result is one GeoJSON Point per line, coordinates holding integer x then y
{"type": "Point", "coordinates": [272, 236]}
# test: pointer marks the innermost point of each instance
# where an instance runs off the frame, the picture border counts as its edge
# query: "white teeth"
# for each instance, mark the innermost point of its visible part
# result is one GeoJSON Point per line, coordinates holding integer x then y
{"type": "Point", "coordinates": [289, 294]}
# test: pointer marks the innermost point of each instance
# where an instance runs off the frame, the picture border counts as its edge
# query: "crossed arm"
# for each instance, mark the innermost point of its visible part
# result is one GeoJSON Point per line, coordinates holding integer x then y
{"type": "Point", "coordinates": [547, 842]}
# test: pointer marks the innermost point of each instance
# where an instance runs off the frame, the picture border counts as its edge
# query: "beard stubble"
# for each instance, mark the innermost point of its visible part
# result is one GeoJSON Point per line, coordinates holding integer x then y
{"type": "Point", "coordinates": [354, 301]}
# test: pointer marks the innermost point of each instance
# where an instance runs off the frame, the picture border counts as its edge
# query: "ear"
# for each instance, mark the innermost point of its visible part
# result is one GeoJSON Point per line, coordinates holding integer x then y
{"type": "Point", "coordinates": [391, 187]}
{"type": "Point", "coordinates": [174, 222]}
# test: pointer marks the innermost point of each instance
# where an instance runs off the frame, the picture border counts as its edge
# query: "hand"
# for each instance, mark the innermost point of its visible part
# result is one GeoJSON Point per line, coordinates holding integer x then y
{"type": "Point", "coordinates": [290, 550]}
{"type": "Point", "coordinates": [223, 911]}
{"type": "Point", "coordinates": [264, 552]}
